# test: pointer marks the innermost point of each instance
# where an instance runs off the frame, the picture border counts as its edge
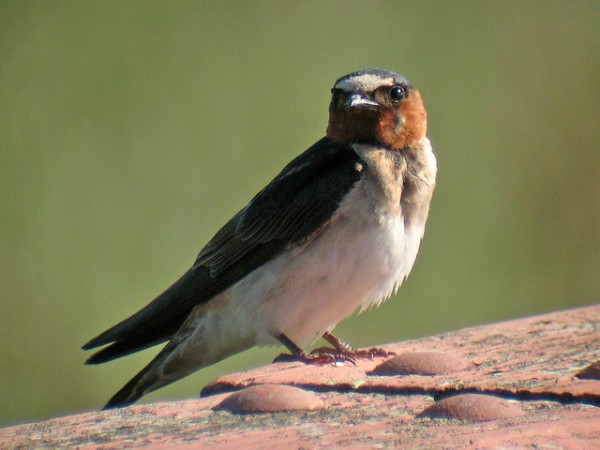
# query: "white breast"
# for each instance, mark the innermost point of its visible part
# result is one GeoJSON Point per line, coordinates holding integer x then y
{"type": "Point", "coordinates": [356, 263]}
{"type": "Point", "coordinates": [359, 260]}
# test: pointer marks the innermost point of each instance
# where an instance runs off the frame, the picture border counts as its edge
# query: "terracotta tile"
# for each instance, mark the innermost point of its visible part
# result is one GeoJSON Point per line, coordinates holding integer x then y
{"type": "Point", "coordinates": [529, 368]}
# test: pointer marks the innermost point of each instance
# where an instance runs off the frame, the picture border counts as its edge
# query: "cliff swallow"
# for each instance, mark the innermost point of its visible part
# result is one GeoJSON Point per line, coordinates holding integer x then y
{"type": "Point", "coordinates": [337, 230]}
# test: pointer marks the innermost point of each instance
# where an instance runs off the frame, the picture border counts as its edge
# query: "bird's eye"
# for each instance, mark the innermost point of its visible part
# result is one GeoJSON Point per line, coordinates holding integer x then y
{"type": "Point", "coordinates": [397, 93]}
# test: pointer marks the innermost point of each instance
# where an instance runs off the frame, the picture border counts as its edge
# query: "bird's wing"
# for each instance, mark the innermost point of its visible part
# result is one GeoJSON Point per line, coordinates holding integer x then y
{"type": "Point", "coordinates": [291, 209]}
{"type": "Point", "coordinates": [288, 210]}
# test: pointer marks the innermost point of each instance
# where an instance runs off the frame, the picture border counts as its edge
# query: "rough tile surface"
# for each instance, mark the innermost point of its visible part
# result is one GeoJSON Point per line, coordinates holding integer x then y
{"type": "Point", "coordinates": [528, 369]}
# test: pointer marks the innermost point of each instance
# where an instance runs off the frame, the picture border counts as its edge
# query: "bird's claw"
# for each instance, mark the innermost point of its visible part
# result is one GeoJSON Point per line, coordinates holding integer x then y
{"type": "Point", "coordinates": [336, 356]}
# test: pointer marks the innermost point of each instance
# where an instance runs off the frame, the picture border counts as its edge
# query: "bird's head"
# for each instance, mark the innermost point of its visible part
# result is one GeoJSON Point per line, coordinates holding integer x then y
{"type": "Point", "coordinates": [375, 106]}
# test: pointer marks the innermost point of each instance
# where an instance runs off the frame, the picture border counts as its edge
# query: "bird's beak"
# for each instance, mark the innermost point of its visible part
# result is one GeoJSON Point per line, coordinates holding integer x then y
{"type": "Point", "coordinates": [360, 101]}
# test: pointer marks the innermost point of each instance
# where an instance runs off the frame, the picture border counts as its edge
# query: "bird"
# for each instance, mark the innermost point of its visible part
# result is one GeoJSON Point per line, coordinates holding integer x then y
{"type": "Point", "coordinates": [336, 231]}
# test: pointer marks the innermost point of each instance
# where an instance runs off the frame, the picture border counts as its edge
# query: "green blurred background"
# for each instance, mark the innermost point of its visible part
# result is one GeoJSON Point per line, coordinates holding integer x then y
{"type": "Point", "coordinates": [131, 131]}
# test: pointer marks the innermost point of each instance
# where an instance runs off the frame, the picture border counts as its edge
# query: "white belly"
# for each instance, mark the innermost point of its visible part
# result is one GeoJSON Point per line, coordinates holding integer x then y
{"type": "Point", "coordinates": [359, 260]}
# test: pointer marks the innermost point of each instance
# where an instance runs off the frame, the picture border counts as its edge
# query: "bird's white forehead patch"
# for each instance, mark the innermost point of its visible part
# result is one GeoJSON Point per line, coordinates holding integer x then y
{"type": "Point", "coordinates": [366, 82]}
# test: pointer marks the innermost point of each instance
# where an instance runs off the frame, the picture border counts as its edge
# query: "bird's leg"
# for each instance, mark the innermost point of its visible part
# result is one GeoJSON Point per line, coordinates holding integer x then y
{"type": "Point", "coordinates": [297, 354]}
{"type": "Point", "coordinates": [346, 352]}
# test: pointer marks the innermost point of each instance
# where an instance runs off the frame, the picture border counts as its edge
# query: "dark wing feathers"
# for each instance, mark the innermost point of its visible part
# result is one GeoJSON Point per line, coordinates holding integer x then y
{"type": "Point", "coordinates": [291, 208]}
{"type": "Point", "coordinates": [154, 323]}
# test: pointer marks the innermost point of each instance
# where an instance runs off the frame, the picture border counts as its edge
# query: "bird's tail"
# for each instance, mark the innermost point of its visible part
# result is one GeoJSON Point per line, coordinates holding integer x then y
{"type": "Point", "coordinates": [133, 390]}
{"type": "Point", "coordinates": [196, 345]}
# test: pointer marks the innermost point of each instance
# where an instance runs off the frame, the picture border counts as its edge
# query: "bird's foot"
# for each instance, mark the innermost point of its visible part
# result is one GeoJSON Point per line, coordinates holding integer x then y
{"type": "Point", "coordinates": [341, 348]}
{"type": "Point", "coordinates": [338, 354]}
